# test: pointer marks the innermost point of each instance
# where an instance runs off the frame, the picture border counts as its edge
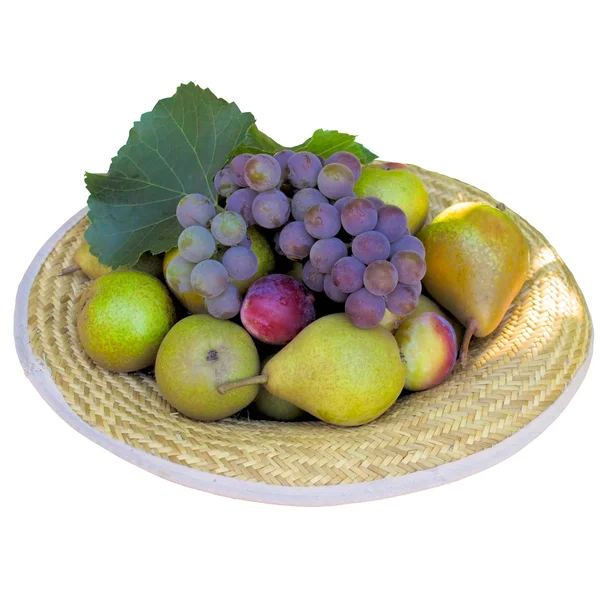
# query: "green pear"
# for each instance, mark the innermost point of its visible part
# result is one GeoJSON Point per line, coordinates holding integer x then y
{"type": "Point", "coordinates": [122, 318]}
{"type": "Point", "coordinates": [335, 371]}
{"type": "Point", "coordinates": [199, 354]}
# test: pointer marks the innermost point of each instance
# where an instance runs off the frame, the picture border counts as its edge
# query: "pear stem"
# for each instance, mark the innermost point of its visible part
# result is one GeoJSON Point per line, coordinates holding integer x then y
{"type": "Point", "coordinates": [69, 270]}
{"type": "Point", "coordinates": [464, 349]}
{"type": "Point", "coordinates": [234, 385]}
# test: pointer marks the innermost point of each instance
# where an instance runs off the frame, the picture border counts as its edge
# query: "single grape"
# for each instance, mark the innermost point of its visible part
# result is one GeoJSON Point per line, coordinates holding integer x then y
{"type": "Point", "coordinates": [226, 305]}
{"type": "Point", "coordinates": [313, 278]}
{"type": "Point", "coordinates": [370, 246]}
{"type": "Point", "coordinates": [246, 242]}
{"type": "Point", "coordinates": [224, 183]}
{"type": "Point", "coordinates": [339, 204]}
{"type": "Point", "coordinates": [347, 159]}
{"type": "Point", "coordinates": [295, 242]}
{"type": "Point", "coordinates": [305, 199]}
{"type": "Point", "coordinates": [282, 158]}
{"type": "Point", "coordinates": [322, 221]}
{"type": "Point", "coordinates": [358, 216]}
{"type": "Point", "coordinates": [391, 221]}
{"type": "Point", "coordinates": [408, 242]}
{"type": "Point", "coordinates": [303, 170]}
{"type": "Point", "coordinates": [410, 266]}
{"type": "Point", "coordinates": [228, 228]}
{"type": "Point", "coordinates": [348, 274]}
{"type": "Point", "coordinates": [380, 278]}
{"type": "Point", "coordinates": [241, 202]}
{"type": "Point", "coordinates": [196, 243]}
{"type": "Point", "coordinates": [195, 209]}
{"type": "Point", "coordinates": [332, 291]}
{"type": "Point", "coordinates": [278, 249]}
{"type": "Point", "coordinates": [209, 278]}
{"type": "Point", "coordinates": [325, 253]}
{"type": "Point", "coordinates": [376, 202]}
{"type": "Point", "coordinates": [240, 262]}
{"type": "Point", "coordinates": [403, 300]}
{"type": "Point", "coordinates": [178, 275]}
{"type": "Point", "coordinates": [364, 309]}
{"type": "Point", "coordinates": [335, 181]}
{"type": "Point", "coordinates": [271, 209]}
{"type": "Point", "coordinates": [236, 167]}
{"type": "Point", "coordinates": [262, 172]}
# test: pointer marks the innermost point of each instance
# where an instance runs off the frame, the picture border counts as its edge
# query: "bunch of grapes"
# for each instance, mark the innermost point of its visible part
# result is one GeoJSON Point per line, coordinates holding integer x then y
{"type": "Point", "coordinates": [359, 251]}
{"type": "Point", "coordinates": [214, 250]}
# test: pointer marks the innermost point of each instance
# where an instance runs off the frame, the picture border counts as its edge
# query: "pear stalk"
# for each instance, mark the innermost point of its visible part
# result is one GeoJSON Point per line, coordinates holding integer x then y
{"type": "Point", "coordinates": [234, 385]}
{"type": "Point", "coordinates": [69, 270]}
{"type": "Point", "coordinates": [464, 348]}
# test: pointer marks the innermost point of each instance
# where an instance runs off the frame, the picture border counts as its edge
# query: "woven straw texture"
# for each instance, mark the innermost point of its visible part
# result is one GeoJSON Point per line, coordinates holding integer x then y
{"type": "Point", "coordinates": [512, 376]}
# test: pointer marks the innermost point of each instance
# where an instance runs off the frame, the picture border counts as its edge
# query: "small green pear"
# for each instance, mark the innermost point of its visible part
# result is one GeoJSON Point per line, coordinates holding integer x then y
{"type": "Point", "coordinates": [122, 318]}
{"type": "Point", "coordinates": [199, 354]}
{"type": "Point", "coordinates": [335, 371]}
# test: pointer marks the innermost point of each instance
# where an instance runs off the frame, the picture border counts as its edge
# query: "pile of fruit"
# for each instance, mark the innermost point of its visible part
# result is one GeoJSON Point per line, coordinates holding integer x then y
{"type": "Point", "coordinates": [303, 274]}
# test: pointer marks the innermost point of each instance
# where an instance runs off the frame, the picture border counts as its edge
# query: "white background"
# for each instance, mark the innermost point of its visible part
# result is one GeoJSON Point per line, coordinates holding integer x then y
{"type": "Point", "coordinates": [502, 97]}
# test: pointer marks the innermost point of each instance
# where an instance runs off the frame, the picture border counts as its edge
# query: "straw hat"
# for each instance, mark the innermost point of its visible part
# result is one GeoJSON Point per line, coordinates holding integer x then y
{"type": "Point", "coordinates": [517, 382]}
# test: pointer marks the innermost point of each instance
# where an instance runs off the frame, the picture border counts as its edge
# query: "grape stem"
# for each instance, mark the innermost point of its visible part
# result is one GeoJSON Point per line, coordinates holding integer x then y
{"type": "Point", "coordinates": [464, 349]}
{"type": "Point", "coordinates": [234, 385]}
{"type": "Point", "coordinates": [69, 270]}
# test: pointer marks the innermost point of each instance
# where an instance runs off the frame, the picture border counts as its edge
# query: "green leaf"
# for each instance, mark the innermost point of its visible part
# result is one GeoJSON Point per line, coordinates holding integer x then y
{"type": "Point", "coordinates": [325, 143]}
{"type": "Point", "coordinates": [175, 149]}
{"type": "Point", "coordinates": [257, 142]}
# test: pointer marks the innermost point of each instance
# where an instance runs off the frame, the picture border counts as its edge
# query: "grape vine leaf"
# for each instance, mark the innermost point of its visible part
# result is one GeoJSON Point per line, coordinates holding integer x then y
{"type": "Point", "coordinates": [175, 149]}
{"type": "Point", "coordinates": [322, 142]}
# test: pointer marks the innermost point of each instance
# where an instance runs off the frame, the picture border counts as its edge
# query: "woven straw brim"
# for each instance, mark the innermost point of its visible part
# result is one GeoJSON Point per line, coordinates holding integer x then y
{"type": "Point", "coordinates": [512, 376]}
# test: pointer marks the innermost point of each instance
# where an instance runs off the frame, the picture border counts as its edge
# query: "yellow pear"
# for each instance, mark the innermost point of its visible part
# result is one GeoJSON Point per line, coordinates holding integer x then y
{"type": "Point", "coordinates": [477, 261]}
{"type": "Point", "coordinates": [335, 371]}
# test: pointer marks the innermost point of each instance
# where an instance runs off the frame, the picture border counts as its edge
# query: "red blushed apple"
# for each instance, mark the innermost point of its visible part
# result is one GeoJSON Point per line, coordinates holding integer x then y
{"type": "Point", "coordinates": [277, 308]}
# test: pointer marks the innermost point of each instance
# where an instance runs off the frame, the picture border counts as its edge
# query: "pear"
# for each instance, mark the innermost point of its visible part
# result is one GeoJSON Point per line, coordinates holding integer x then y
{"type": "Point", "coordinates": [122, 318]}
{"type": "Point", "coordinates": [199, 354]}
{"type": "Point", "coordinates": [335, 371]}
{"type": "Point", "coordinates": [274, 407]}
{"type": "Point", "coordinates": [477, 261]}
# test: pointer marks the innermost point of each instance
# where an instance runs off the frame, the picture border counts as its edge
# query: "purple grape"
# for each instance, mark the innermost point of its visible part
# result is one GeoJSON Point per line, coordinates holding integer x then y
{"type": "Point", "coordinates": [322, 221]}
{"type": "Point", "coordinates": [313, 279]}
{"type": "Point", "coordinates": [195, 209]}
{"type": "Point", "coordinates": [196, 243]}
{"type": "Point", "coordinates": [295, 242]}
{"type": "Point", "coordinates": [325, 253]}
{"type": "Point", "coordinates": [224, 184]}
{"type": "Point", "coordinates": [410, 266]}
{"type": "Point", "coordinates": [403, 300]}
{"type": "Point", "coordinates": [278, 249]}
{"type": "Point", "coordinates": [178, 274]}
{"type": "Point", "coordinates": [271, 209]}
{"type": "Point", "coordinates": [262, 173]}
{"type": "Point", "coordinates": [335, 181]}
{"type": "Point", "coordinates": [332, 291]}
{"type": "Point", "coordinates": [241, 263]}
{"type": "Point", "coordinates": [339, 204]}
{"type": "Point", "coordinates": [282, 158]}
{"type": "Point", "coordinates": [236, 167]}
{"type": "Point", "coordinates": [391, 221]}
{"type": "Point", "coordinates": [349, 160]}
{"type": "Point", "coordinates": [376, 202]}
{"type": "Point", "coordinates": [228, 228]}
{"type": "Point", "coordinates": [408, 242]}
{"type": "Point", "coordinates": [241, 202]}
{"type": "Point", "coordinates": [305, 199]}
{"type": "Point", "coordinates": [358, 216]}
{"type": "Point", "coordinates": [246, 242]}
{"type": "Point", "coordinates": [303, 170]}
{"type": "Point", "coordinates": [370, 246]}
{"type": "Point", "coordinates": [348, 274]}
{"type": "Point", "coordinates": [226, 305]}
{"type": "Point", "coordinates": [364, 309]}
{"type": "Point", "coordinates": [209, 278]}
{"type": "Point", "coordinates": [380, 278]}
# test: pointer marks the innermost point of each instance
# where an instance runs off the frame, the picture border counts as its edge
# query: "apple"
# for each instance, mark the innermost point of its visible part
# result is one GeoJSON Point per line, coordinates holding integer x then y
{"type": "Point", "coordinates": [395, 184]}
{"type": "Point", "coordinates": [277, 308]}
